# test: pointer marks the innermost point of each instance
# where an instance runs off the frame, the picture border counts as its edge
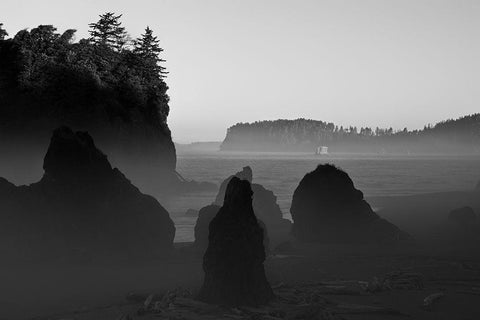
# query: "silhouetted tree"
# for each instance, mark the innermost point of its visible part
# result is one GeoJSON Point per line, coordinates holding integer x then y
{"type": "Point", "coordinates": [147, 46]}
{"type": "Point", "coordinates": [46, 74]}
{"type": "Point", "coordinates": [108, 31]}
{"type": "Point", "coordinates": [3, 32]}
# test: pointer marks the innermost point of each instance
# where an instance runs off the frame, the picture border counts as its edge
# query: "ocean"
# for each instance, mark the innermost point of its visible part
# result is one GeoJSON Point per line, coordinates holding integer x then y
{"type": "Point", "coordinates": [375, 175]}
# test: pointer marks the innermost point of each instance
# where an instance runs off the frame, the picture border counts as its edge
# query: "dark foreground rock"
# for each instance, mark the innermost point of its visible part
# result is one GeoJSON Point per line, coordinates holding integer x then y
{"type": "Point", "coordinates": [463, 217]}
{"type": "Point", "coordinates": [233, 262]}
{"type": "Point", "coordinates": [326, 207]}
{"type": "Point", "coordinates": [245, 174]}
{"type": "Point", "coordinates": [81, 207]}
{"type": "Point", "coordinates": [264, 205]}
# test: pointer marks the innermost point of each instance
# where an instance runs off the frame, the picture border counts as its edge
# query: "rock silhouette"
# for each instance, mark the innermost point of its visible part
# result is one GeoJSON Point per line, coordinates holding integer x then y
{"type": "Point", "coordinates": [81, 206]}
{"type": "Point", "coordinates": [233, 262]}
{"type": "Point", "coordinates": [463, 217]}
{"type": "Point", "coordinates": [326, 207]}
{"type": "Point", "coordinates": [205, 216]}
{"type": "Point", "coordinates": [245, 174]}
{"type": "Point", "coordinates": [264, 205]}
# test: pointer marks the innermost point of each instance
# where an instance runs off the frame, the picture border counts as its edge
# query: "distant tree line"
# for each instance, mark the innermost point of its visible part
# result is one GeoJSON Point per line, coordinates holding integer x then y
{"type": "Point", "coordinates": [107, 78]}
{"type": "Point", "coordinates": [460, 135]}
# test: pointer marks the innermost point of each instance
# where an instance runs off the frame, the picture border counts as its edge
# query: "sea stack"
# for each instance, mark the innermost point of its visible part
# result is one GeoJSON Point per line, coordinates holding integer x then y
{"type": "Point", "coordinates": [326, 207]}
{"type": "Point", "coordinates": [233, 261]}
{"type": "Point", "coordinates": [205, 216]}
{"type": "Point", "coordinates": [463, 217]}
{"type": "Point", "coordinates": [265, 207]}
{"type": "Point", "coordinates": [82, 206]}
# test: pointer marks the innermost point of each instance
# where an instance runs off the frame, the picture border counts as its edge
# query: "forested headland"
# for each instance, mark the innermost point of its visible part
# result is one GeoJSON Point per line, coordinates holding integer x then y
{"type": "Point", "coordinates": [460, 135]}
{"type": "Point", "coordinates": [108, 84]}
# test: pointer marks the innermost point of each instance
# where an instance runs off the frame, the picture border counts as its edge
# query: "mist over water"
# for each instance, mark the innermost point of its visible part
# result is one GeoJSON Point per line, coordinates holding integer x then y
{"type": "Point", "coordinates": [375, 175]}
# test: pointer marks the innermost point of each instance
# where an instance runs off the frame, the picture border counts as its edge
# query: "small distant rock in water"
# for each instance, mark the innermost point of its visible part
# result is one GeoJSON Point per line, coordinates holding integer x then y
{"type": "Point", "coordinates": [233, 262]}
{"type": "Point", "coordinates": [326, 207]}
{"type": "Point", "coordinates": [464, 229]}
{"type": "Point", "coordinates": [82, 207]}
{"type": "Point", "coordinates": [264, 205]}
{"type": "Point", "coordinates": [463, 217]}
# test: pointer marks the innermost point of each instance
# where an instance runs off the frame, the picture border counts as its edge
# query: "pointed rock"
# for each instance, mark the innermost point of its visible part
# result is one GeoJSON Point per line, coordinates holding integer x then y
{"type": "Point", "coordinates": [264, 205]}
{"type": "Point", "coordinates": [233, 262]}
{"type": "Point", "coordinates": [82, 206]}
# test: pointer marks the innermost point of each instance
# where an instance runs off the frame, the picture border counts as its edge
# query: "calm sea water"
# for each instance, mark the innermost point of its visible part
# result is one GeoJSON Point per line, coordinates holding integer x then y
{"type": "Point", "coordinates": [281, 173]}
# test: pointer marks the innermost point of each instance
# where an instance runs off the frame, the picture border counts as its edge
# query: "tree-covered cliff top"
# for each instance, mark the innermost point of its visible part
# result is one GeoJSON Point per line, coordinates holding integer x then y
{"type": "Point", "coordinates": [306, 134]}
{"type": "Point", "coordinates": [47, 76]}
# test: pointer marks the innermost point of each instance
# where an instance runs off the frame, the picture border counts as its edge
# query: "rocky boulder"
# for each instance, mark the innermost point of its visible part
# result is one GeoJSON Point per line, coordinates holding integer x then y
{"type": "Point", "coordinates": [233, 262]}
{"type": "Point", "coordinates": [326, 207]}
{"type": "Point", "coordinates": [81, 206]}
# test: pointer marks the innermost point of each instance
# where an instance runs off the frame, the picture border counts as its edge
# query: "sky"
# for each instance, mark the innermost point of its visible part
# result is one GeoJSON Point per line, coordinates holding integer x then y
{"type": "Point", "coordinates": [385, 63]}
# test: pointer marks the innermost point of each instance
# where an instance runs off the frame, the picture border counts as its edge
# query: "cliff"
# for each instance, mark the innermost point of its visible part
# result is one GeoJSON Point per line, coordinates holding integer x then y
{"type": "Point", "coordinates": [117, 95]}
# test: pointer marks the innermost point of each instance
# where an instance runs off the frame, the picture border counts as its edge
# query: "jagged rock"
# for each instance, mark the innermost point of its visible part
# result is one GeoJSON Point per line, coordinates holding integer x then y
{"type": "Point", "coordinates": [81, 206]}
{"type": "Point", "coordinates": [264, 205]}
{"type": "Point", "coordinates": [268, 211]}
{"type": "Point", "coordinates": [233, 262]}
{"type": "Point", "coordinates": [245, 174]}
{"type": "Point", "coordinates": [205, 216]}
{"type": "Point", "coordinates": [463, 217]}
{"type": "Point", "coordinates": [326, 207]}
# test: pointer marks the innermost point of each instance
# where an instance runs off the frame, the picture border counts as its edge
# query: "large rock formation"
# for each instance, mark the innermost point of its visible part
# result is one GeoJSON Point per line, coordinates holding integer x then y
{"type": "Point", "coordinates": [264, 205]}
{"type": "Point", "coordinates": [81, 205]}
{"type": "Point", "coordinates": [326, 207]}
{"type": "Point", "coordinates": [205, 216]}
{"type": "Point", "coordinates": [233, 262]}
{"type": "Point", "coordinates": [245, 174]}
{"type": "Point", "coordinates": [463, 217]}
{"type": "Point", "coordinates": [95, 90]}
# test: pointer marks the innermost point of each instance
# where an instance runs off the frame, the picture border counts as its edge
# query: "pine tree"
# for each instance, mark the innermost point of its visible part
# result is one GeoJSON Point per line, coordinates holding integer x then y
{"type": "Point", "coordinates": [108, 31]}
{"type": "Point", "coordinates": [147, 46]}
{"type": "Point", "coordinates": [3, 32]}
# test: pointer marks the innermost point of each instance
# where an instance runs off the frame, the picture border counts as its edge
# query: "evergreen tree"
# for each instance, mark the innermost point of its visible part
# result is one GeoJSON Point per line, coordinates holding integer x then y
{"type": "Point", "coordinates": [147, 46]}
{"type": "Point", "coordinates": [108, 31]}
{"type": "Point", "coordinates": [3, 32]}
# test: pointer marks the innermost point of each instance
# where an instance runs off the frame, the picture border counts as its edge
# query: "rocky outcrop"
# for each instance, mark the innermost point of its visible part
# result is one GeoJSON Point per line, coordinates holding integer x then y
{"type": "Point", "coordinates": [233, 262]}
{"type": "Point", "coordinates": [326, 207]}
{"type": "Point", "coordinates": [264, 205]}
{"type": "Point", "coordinates": [463, 217]}
{"type": "Point", "coordinates": [245, 174]}
{"type": "Point", "coordinates": [81, 206]}
{"type": "Point", "coordinates": [205, 216]}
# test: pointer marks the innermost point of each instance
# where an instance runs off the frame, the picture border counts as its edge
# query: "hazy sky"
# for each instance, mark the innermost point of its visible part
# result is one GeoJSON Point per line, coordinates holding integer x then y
{"type": "Point", "coordinates": [378, 63]}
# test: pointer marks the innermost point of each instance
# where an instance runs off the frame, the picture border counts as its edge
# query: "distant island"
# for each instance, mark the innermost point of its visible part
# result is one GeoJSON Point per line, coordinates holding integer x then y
{"type": "Point", "coordinates": [458, 136]}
